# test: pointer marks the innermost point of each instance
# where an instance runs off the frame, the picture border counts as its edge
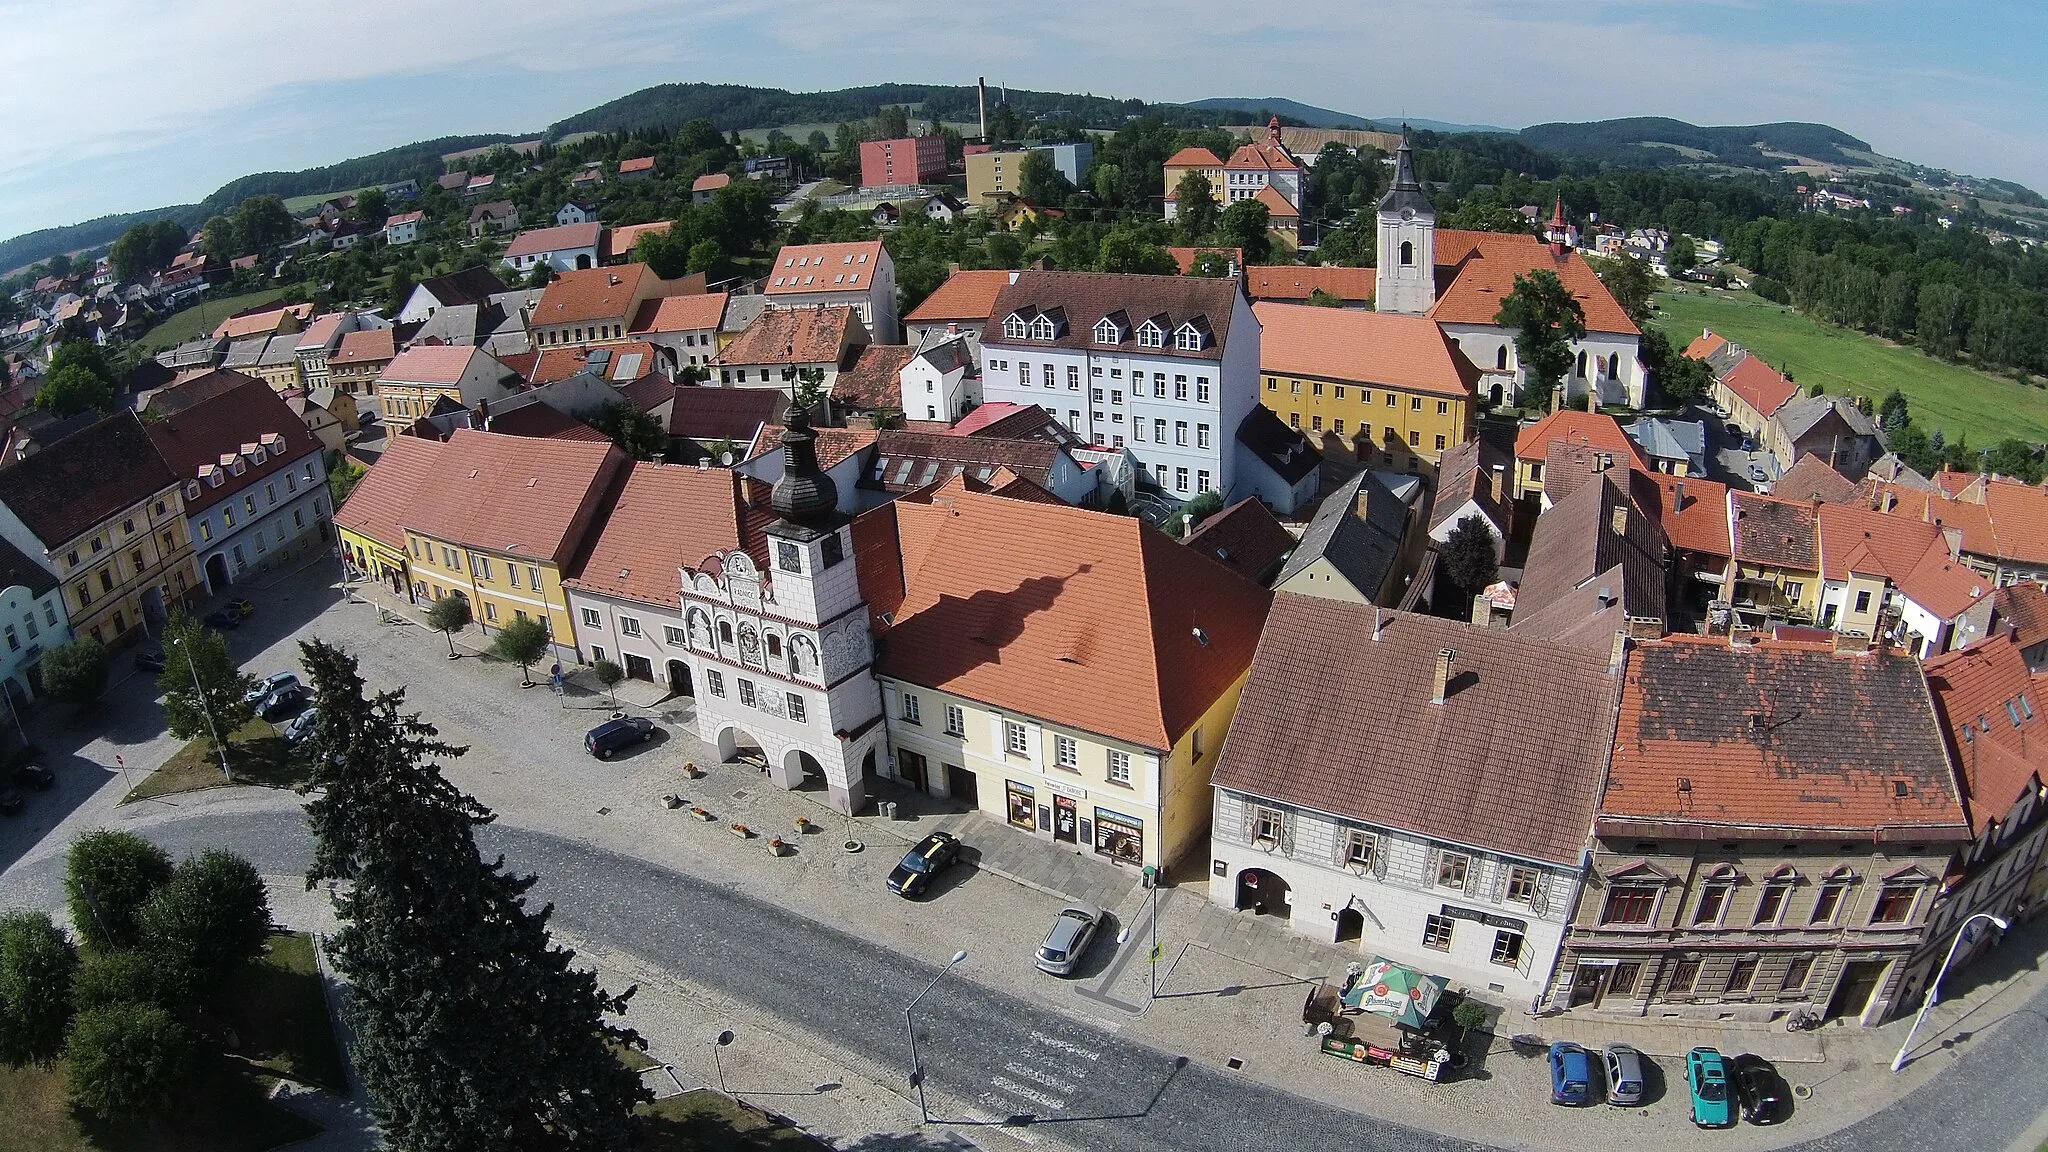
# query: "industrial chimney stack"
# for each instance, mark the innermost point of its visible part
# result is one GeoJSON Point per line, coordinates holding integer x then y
{"type": "Point", "coordinates": [981, 101]}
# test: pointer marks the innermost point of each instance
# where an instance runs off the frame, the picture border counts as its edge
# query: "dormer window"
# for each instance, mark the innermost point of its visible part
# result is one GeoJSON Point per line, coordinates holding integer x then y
{"type": "Point", "coordinates": [257, 456]}
{"type": "Point", "coordinates": [1190, 337]}
{"type": "Point", "coordinates": [239, 466]}
{"type": "Point", "coordinates": [1042, 329]}
{"type": "Point", "coordinates": [191, 489]}
{"type": "Point", "coordinates": [1151, 335]}
{"type": "Point", "coordinates": [1110, 330]}
{"type": "Point", "coordinates": [1016, 327]}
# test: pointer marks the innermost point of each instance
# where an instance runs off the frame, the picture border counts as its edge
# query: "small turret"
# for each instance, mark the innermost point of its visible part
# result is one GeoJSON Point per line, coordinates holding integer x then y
{"type": "Point", "coordinates": [804, 494]}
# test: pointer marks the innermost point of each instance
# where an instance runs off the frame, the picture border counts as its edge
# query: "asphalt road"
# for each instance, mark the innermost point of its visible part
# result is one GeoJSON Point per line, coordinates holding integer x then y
{"type": "Point", "coordinates": [1009, 1057]}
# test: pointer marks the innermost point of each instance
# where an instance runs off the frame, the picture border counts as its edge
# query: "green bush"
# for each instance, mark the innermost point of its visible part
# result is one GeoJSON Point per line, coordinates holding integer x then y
{"type": "Point", "coordinates": [211, 918]}
{"type": "Point", "coordinates": [127, 1060]}
{"type": "Point", "coordinates": [1469, 1014]}
{"type": "Point", "coordinates": [76, 672]}
{"type": "Point", "coordinates": [108, 877]}
{"type": "Point", "coordinates": [112, 979]}
{"type": "Point", "coordinates": [37, 963]}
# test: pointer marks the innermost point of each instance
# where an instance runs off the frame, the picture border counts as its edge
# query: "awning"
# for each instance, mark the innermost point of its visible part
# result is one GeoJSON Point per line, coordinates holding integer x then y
{"type": "Point", "coordinates": [1395, 991]}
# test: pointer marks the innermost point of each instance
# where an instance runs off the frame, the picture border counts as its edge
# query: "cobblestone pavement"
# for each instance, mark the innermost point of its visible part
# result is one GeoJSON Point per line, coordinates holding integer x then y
{"type": "Point", "coordinates": [1230, 985]}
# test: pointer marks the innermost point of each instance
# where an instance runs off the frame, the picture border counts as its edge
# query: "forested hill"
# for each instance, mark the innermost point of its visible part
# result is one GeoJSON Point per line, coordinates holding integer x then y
{"type": "Point", "coordinates": [29, 247]}
{"type": "Point", "coordinates": [731, 106]}
{"type": "Point", "coordinates": [1653, 141]}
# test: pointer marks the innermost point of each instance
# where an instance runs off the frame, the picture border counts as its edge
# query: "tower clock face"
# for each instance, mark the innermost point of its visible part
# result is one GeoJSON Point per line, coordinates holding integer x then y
{"type": "Point", "coordinates": [1407, 213]}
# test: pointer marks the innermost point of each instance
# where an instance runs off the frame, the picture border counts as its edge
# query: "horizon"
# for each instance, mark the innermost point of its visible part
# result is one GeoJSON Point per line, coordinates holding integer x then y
{"type": "Point", "coordinates": [1917, 85]}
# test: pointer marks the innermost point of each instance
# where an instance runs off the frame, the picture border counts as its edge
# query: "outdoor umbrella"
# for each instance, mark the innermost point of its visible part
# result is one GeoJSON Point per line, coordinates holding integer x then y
{"type": "Point", "coordinates": [1395, 991]}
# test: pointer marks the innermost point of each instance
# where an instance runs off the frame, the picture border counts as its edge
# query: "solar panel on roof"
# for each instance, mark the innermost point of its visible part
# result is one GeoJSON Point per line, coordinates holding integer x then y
{"type": "Point", "coordinates": [629, 365]}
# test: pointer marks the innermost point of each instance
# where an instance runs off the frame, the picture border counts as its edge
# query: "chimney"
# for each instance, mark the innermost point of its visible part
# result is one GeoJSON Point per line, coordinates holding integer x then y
{"type": "Point", "coordinates": [1742, 636]}
{"type": "Point", "coordinates": [1617, 653]}
{"type": "Point", "coordinates": [1379, 623]}
{"type": "Point", "coordinates": [1443, 673]}
{"type": "Point", "coordinates": [981, 103]}
{"type": "Point", "coordinates": [483, 414]}
{"type": "Point", "coordinates": [1678, 495]}
{"type": "Point", "coordinates": [1621, 520]}
{"type": "Point", "coordinates": [1851, 642]}
{"type": "Point", "coordinates": [1605, 596]}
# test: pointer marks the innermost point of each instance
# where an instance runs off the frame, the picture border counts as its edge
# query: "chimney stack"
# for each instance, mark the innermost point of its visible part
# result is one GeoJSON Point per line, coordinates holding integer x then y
{"type": "Point", "coordinates": [483, 414]}
{"type": "Point", "coordinates": [981, 103]}
{"type": "Point", "coordinates": [1379, 623]}
{"type": "Point", "coordinates": [1678, 496]}
{"type": "Point", "coordinates": [1444, 657]}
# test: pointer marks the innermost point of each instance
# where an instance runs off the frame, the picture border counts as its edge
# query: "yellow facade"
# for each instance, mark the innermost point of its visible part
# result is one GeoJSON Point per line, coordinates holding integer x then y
{"type": "Point", "coordinates": [142, 553]}
{"type": "Point", "coordinates": [375, 559]}
{"type": "Point", "coordinates": [1392, 428]}
{"type": "Point", "coordinates": [500, 587]}
{"type": "Point", "coordinates": [992, 176]}
{"type": "Point", "coordinates": [399, 403]}
{"type": "Point", "coordinates": [280, 377]}
{"type": "Point", "coordinates": [1769, 588]}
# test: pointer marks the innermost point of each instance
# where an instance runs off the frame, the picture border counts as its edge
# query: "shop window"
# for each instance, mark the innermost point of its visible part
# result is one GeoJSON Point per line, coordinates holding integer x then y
{"type": "Point", "coordinates": [1437, 932]}
{"type": "Point", "coordinates": [1507, 948]}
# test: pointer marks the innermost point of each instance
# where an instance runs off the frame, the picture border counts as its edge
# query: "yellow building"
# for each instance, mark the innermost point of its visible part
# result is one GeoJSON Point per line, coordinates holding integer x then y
{"type": "Point", "coordinates": [1199, 161]}
{"type": "Point", "coordinates": [994, 176]}
{"type": "Point", "coordinates": [101, 510]}
{"type": "Point", "coordinates": [371, 520]}
{"type": "Point", "coordinates": [421, 377]}
{"type": "Point", "coordinates": [1776, 570]}
{"type": "Point", "coordinates": [1388, 390]}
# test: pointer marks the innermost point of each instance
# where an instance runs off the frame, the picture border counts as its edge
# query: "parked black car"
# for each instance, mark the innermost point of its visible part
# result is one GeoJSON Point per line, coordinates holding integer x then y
{"type": "Point", "coordinates": [931, 856]}
{"type": "Point", "coordinates": [286, 701]}
{"type": "Point", "coordinates": [11, 802]}
{"type": "Point", "coordinates": [34, 776]}
{"type": "Point", "coordinates": [149, 658]}
{"type": "Point", "coordinates": [605, 740]}
{"type": "Point", "coordinates": [223, 620]}
{"type": "Point", "coordinates": [1760, 1090]}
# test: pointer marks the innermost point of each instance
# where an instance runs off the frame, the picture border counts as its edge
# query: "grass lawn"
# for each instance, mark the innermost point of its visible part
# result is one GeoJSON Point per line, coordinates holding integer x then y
{"type": "Point", "coordinates": [256, 753]}
{"type": "Point", "coordinates": [1956, 399]}
{"type": "Point", "coordinates": [280, 1018]}
{"type": "Point", "coordinates": [199, 320]}
{"type": "Point", "coordinates": [704, 1121]}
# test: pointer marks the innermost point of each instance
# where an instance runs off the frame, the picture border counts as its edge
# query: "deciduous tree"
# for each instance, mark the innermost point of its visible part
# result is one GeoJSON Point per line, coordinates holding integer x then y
{"type": "Point", "coordinates": [640, 434]}
{"type": "Point", "coordinates": [210, 919]}
{"type": "Point", "coordinates": [37, 963]}
{"type": "Point", "coordinates": [76, 671]}
{"type": "Point", "coordinates": [204, 689]}
{"type": "Point", "coordinates": [1628, 281]}
{"type": "Point", "coordinates": [522, 641]}
{"type": "Point", "coordinates": [449, 615]}
{"type": "Point", "coordinates": [69, 390]}
{"type": "Point", "coordinates": [1467, 557]}
{"type": "Point", "coordinates": [1547, 321]}
{"type": "Point", "coordinates": [126, 1060]}
{"type": "Point", "coordinates": [609, 675]}
{"type": "Point", "coordinates": [1244, 225]}
{"type": "Point", "coordinates": [108, 877]}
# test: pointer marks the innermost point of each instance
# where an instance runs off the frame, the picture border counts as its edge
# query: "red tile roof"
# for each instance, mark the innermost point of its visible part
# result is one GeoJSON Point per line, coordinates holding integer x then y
{"type": "Point", "coordinates": [791, 336]}
{"type": "Point", "coordinates": [2017, 512]}
{"type": "Point", "coordinates": [637, 164]}
{"type": "Point", "coordinates": [701, 312]}
{"type": "Point", "coordinates": [223, 425]}
{"type": "Point", "coordinates": [666, 518]}
{"type": "Point", "coordinates": [412, 217]}
{"type": "Point", "coordinates": [1377, 348]}
{"type": "Point", "coordinates": [710, 182]}
{"type": "Point", "coordinates": [834, 444]}
{"type": "Point", "coordinates": [1573, 426]}
{"type": "Point", "coordinates": [594, 294]}
{"type": "Point", "coordinates": [1264, 156]}
{"type": "Point", "coordinates": [376, 507]}
{"type": "Point", "coordinates": [1486, 266]}
{"type": "Point", "coordinates": [1079, 618]}
{"type": "Point", "coordinates": [1986, 691]}
{"type": "Point", "coordinates": [1193, 158]}
{"type": "Point", "coordinates": [1759, 385]}
{"type": "Point", "coordinates": [811, 268]}
{"type": "Point", "coordinates": [1299, 282]}
{"type": "Point", "coordinates": [1705, 344]}
{"type": "Point", "coordinates": [1698, 523]}
{"type": "Point", "coordinates": [969, 294]}
{"type": "Point", "coordinates": [1777, 734]}
{"type": "Point", "coordinates": [320, 332]}
{"type": "Point", "coordinates": [561, 238]}
{"type": "Point", "coordinates": [528, 497]}
{"type": "Point", "coordinates": [2023, 607]}
{"type": "Point", "coordinates": [431, 364]}
{"type": "Point", "coordinates": [871, 381]}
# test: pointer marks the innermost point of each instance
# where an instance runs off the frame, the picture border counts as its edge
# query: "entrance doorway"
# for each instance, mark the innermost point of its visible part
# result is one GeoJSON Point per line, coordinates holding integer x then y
{"type": "Point", "coordinates": [1065, 818]}
{"type": "Point", "coordinates": [735, 746]}
{"type": "Point", "coordinates": [216, 573]}
{"type": "Point", "coordinates": [813, 773]}
{"type": "Point", "coordinates": [1350, 925]}
{"type": "Point", "coordinates": [1590, 984]}
{"type": "Point", "coordinates": [1852, 992]}
{"type": "Point", "coordinates": [961, 783]}
{"type": "Point", "coordinates": [913, 768]}
{"type": "Point", "coordinates": [1264, 893]}
{"type": "Point", "coordinates": [638, 668]}
{"type": "Point", "coordinates": [679, 678]}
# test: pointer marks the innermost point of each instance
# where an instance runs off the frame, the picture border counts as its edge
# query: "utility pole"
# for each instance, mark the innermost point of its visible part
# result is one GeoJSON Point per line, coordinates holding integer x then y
{"type": "Point", "coordinates": [212, 729]}
{"type": "Point", "coordinates": [916, 1069]}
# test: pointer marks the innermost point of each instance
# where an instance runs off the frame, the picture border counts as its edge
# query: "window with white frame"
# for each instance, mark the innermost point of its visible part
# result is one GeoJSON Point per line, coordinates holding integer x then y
{"type": "Point", "coordinates": [1015, 740]}
{"type": "Point", "coordinates": [1016, 328]}
{"type": "Point", "coordinates": [1073, 377]}
{"type": "Point", "coordinates": [1119, 767]}
{"type": "Point", "coordinates": [908, 709]}
{"type": "Point", "coordinates": [1201, 435]}
{"type": "Point", "coordinates": [1359, 846]}
{"type": "Point", "coordinates": [1269, 825]}
{"type": "Point", "coordinates": [1158, 385]}
{"type": "Point", "coordinates": [1107, 332]}
{"type": "Point", "coordinates": [1188, 339]}
{"type": "Point", "coordinates": [591, 618]}
{"type": "Point", "coordinates": [1180, 387]}
{"type": "Point", "coordinates": [628, 626]}
{"type": "Point", "coordinates": [1201, 479]}
{"type": "Point", "coordinates": [1048, 374]}
{"type": "Point", "coordinates": [1180, 433]}
{"type": "Point", "coordinates": [956, 720]}
{"type": "Point", "coordinates": [1151, 335]}
{"type": "Point", "coordinates": [670, 634]}
{"type": "Point", "coordinates": [1202, 390]}
{"type": "Point", "coordinates": [1066, 753]}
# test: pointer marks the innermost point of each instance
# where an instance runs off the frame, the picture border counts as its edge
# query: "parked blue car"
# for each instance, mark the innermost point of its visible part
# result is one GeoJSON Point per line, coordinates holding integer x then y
{"type": "Point", "coordinates": [1706, 1077]}
{"type": "Point", "coordinates": [1571, 1074]}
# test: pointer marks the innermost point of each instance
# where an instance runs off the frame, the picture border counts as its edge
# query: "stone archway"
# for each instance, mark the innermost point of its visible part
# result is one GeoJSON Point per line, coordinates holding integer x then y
{"type": "Point", "coordinates": [802, 771]}
{"type": "Point", "coordinates": [738, 746]}
{"type": "Point", "coordinates": [1263, 892]}
{"type": "Point", "coordinates": [1350, 925]}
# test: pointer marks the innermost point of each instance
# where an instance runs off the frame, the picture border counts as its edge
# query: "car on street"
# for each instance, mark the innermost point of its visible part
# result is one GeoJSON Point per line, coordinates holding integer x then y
{"type": "Point", "coordinates": [267, 685]}
{"type": "Point", "coordinates": [241, 608]}
{"type": "Point", "coordinates": [1068, 939]}
{"type": "Point", "coordinates": [931, 856]}
{"type": "Point", "coordinates": [1706, 1078]}
{"type": "Point", "coordinates": [1734, 431]}
{"type": "Point", "coordinates": [1757, 475]}
{"type": "Point", "coordinates": [34, 776]}
{"type": "Point", "coordinates": [11, 802]}
{"type": "Point", "coordinates": [149, 658]}
{"type": "Point", "coordinates": [1760, 1091]}
{"type": "Point", "coordinates": [605, 740]}
{"type": "Point", "coordinates": [1571, 1074]}
{"type": "Point", "coordinates": [301, 726]}
{"type": "Point", "coordinates": [284, 702]}
{"type": "Point", "coordinates": [222, 620]}
{"type": "Point", "coordinates": [1624, 1068]}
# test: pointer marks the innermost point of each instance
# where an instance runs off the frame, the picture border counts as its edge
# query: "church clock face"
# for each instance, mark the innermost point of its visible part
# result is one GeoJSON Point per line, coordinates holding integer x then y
{"type": "Point", "coordinates": [1407, 213]}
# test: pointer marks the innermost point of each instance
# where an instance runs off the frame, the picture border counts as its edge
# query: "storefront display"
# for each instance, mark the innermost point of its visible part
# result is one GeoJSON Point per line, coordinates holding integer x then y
{"type": "Point", "coordinates": [1119, 837]}
{"type": "Point", "coordinates": [1022, 810]}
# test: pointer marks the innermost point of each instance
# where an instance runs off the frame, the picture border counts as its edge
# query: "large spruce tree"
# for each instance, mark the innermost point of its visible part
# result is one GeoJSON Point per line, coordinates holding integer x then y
{"type": "Point", "coordinates": [472, 1030]}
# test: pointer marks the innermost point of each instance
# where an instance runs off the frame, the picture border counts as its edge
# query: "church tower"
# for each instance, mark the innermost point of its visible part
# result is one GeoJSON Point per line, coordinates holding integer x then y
{"type": "Point", "coordinates": [1405, 280]}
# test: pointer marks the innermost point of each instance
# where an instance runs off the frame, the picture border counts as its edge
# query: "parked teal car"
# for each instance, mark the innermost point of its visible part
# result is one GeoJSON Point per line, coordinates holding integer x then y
{"type": "Point", "coordinates": [1706, 1074]}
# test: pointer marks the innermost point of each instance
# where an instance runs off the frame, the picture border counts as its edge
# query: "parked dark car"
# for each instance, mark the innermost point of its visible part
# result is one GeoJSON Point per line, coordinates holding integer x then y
{"type": "Point", "coordinates": [149, 658]}
{"type": "Point", "coordinates": [931, 856]}
{"type": "Point", "coordinates": [284, 702]}
{"type": "Point", "coordinates": [1571, 1074]}
{"type": "Point", "coordinates": [1762, 1092]}
{"type": "Point", "coordinates": [241, 608]}
{"type": "Point", "coordinates": [34, 776]}
{"type": "Point", "coordinates": [11, 802]}
{"type": "Point", "coordinates": [605, 740]}
{"type": "Point", "coordinates": [222, 620]}
{"type": "Point", "coordinates": [301, 726]}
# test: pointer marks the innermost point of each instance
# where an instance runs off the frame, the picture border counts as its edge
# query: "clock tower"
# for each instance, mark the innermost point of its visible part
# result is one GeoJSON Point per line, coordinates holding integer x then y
{"type": "Point", "coordinates": [1405, 280]}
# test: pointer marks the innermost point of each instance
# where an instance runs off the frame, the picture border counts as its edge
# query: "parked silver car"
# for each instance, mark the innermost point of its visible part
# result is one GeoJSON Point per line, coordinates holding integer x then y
{"type": "Point", "coordinates": [1071, 931]}
{"type": "Point", "coordinates": [1624, 1075]}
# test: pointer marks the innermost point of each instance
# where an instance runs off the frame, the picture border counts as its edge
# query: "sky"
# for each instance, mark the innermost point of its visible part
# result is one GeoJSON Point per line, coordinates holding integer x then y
{"type": "Point", "coordinates": [118, 106]}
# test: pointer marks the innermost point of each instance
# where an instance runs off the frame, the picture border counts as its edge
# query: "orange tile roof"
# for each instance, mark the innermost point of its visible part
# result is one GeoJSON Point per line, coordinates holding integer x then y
{"type": "Point", "coordinates": [1578, 427]}
{"type": "Point", "coordinates": [1079, 618]}
{"type": "Point", "coordinates": [1759, 385]}
{"type": "Point", "coordinates": [1185, 257]}
{"type": "Point", "coordinates": [824, 268]}
{"type": "Point", "coordinates": [667, 517]}
{"type": "Point", "coordinates": [1277, 206]}
{"type": "Point", "coordinates": [1986, 689]}
{"type": "Point", "coordinates": [710, 182]}
{"type": "Point", "coordinates": [432, 364]}
{"type": "Point", "coordinates": [1344, 344]}
{"type": "Point", "coordinates": [376, 507]}
{"type": "Point", "coordinates": [1705, 344]}
{"type": "Point", "coordinates": [700, 312]}
{"type": "Point", "coordinates": [594, 294]}
{"type": "Point", "coordinates": [969, 294]}
{"type": "Point", "coordinates": [256, 323]}
{"type": "Point", "coordinates": [1871, 543]}
{"type": "Point", "coordinates": [790, 336]}
{"type": "Point", "coordinates": [1264, 156]}
{"type": "Point", "coordinates": [1778, 734]}
{"type": "Point", "coordinates": [1700, 522]}
{"type": "Point", "coordinates": [1942, 584]}
{"type": "Point", "coordinates": [321, 331]}
{"type": "Point", "coordinates": [1298, 282]}
{"type": "Point", "coordinates": [620, 241]}
{"type": "Point", "coordinates": [526, 496]}
{"type": "Point", "coordinates": [637, 164]}
{"type": "Point", "coordinates": [1810, 477]}
{"type": "Point", "coordinates": [1193, 158]}
{"type": "Point", "coordinates": [1487, 264]}
{"type": "Point", "coordinates": [561, 363]}
{"type": "Point", "coordinates": [2019, 517]}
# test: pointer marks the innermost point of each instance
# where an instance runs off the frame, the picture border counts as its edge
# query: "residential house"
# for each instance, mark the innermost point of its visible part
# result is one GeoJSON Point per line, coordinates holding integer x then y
{"type": "Point", "coordinates": [686, 325]}
{"type": "Point", "coordinates": [473, 286]}
{"type": "Point", "coordinates": [616, 364]}
{"type": "Point", "coordinates": [781, 344]}
{"type": "Point", "coordinates": [872, 384]}
{"type": "Point", "coordinates": [939, 381]}
{"type": "Point", "coordinates": [1019, 214]}
{"type": "Point", "coordinates": [372, 520]}
{"type": "Point", "coordinates": [496, 216]}
{"type": "Point", "coordinates": [1032, 669]}
{"type": "Point", "coordinates": [359, 358]}
{"type": "Point", "coordinates": [1772, 836]}
{"type": "Point", "coordinates": [243, 355]}
{"type": "Point", "coordinates": [1245, 538]}
{"type": "Point", "coordinates": [482, 186]}
{"type": "Point", "coordinates": [1694, 513]}
{"type": "Point", "coordinates": [318, 342]}
{"type": "Point", "coordinates": [1357, 548]}
{"type": "Point", "coordinates": [859, 275]}
{"type": "Point", "coordinates": [1386, 390]}
{"type": "Point", "coordinates": [844, 456]}
{"type": "Point", "coordinates": [1811, 479]}
{"type": "Point", "coordinates": [618, 244]}
{"type": "Point", "coordinates": [1998, 526]}
{"type": "Point", "coordinates": [1775, 573]}
{"type": "Point", "coordinates": [1883, 576]}
{"type": "Point", "coordinates": [1747, 389]}
{"type": "Point", "coordinates": [1831, 428]}
{"type": "Point", "coordinates": [1264, 170]}
{"type": "Point", "coordinates": [278, 364]}
{"type": "Point", "coordinates": [563, 248]}
{"type": "Point", "coordinates": [1198, 161]}
{"type": "Point", "coordinates": [32, 618]}
{"type": "Point", "coordinates": [329, 415]}
{"type": "Point", "coordinates": [575, 212]}
{"type": "Point", "coordinates": [906, 462]}
{"type": "Point", "coordinates": [452, 181]}
{"type": "Point", "coordinates": [962, 304]}
{"type": "Point", "coordinates": [1296, 283]}
{"type": "Point", "coordinates": [1569, 426]}
{"type": "Point", "coordinates": [944, 208]}
{"type": "Point", "coordinates": [636, 169]}
{"type": "Point", "coordinates": [408, 387]}
{"type": "Point", "coordinates": [716, 424]}
{"type": "Point", "coordinates": [266, 321]}
{"type": "Point", "coordinates": [404, 228]}
{"type": "Point", "coordinates": [594, 306]}
{"type": "Point", "coordinates": [703, 187]}
{"type": "Point", "coordinates": [895, 163]}
{"type": "Point", "coordinates": [254, 482]}
{"type": "Point", "coordinates": [1410, 829]}
{"type": "Point", "coordinates": [1674, 447]}
{"type": "Point", "coordinates": [1472, 479]}
{"type": "Point", "coordinates": [1597, 566]}
{"type": "Point", "coordinates": [100, 510]}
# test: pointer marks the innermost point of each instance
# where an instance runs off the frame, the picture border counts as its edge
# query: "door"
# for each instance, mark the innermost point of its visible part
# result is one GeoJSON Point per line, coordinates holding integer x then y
{"type": "Point", "coordinates": [1589, 984]}
{"type": "Point", "coordinates": [638, 668]}
{"type": "Point", "coordinates": [679, 678]}
{"type": "Point", "coordinates": [1852, 992]}
{"type": "Point", "coordinates": [960, 784]}
{"type": "Point", "coordinates": [912, 768]}
{"type": "Point", "coordinates": [1065, 816]}
{"type": "Point", "coordinates": [1350, 925]}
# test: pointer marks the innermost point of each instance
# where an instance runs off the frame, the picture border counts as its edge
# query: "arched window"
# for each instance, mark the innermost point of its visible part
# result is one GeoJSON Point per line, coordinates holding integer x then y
{"type": "Point", "coordinates": [1407, 252]}
{"type": "Point", "coordinates": [1613, 365]}
{"type": "Point", "coordinates": [1582, 363]}
{"type": "Point", "coordinates": [1500, 358]}
{"type": "Point", "coordinates": [725, 631]}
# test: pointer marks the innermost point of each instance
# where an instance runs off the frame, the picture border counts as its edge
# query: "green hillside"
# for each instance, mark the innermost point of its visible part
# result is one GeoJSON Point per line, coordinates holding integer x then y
{"type": "Point", "coordinates": [1956, 399]}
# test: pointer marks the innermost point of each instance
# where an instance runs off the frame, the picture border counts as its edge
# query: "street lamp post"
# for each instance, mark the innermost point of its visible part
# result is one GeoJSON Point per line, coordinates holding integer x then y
{"type": "Point", "coordinates": [924, 1115]}
{"type": "Point", "coordinates": [212, 729]}
{"type": "Point", "coordinates": [1934, 989]}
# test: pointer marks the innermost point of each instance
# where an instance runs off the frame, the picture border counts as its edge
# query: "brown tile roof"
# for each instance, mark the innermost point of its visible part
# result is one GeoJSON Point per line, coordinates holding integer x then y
{"type": "Point", "coordinates": [1516, 712]}
{"type": "Point", "coordinates": [1245, 538]}
{"type": "Point", "coordinates": [1777, 735]}
{"type": "Point", "coordinates": [365, 346]}
{"type": "Point", "coordinates": [969, 294]}
{"type": "Point", "coordinates": [1486, 266]}
{"type": "Point", "coordinates": [667, 517]}
{"type": "Point", "coordinates": [593, 294]}
{"type": "Point", "coordinates": [2023, 606]}
{"type": "Point", "coordinates": [17, 569]}
{"type": "Point", "coordinates": [190, 390]}
{"type": "Point", "coordinates": [1465, 472]}
{"type": "Point", "coordinates": [1377, 348]}
{"type": "Point", "coordinates": [376, 507]}
{"type": "Point", "coordinates": [1778, 533]}
{"type": "Point", "coordinates": [1079, 618]}
{"type": "Point", "coordinates": [1584, 579]}
{"type": "Point", "coordinates": [1810, 478]}
{"type": "Point", "coordinates": [1082, 298]}
{"type": "Point", "coordinates": [514, 494]}
{"type": "Point", "coordinates": [907, 461]}
{"type": "Point", "coordinates": [834, 444]}
{"type": "Point", "coordinates": [1299, 282]}
{"type": "Point", "coordinates": [848, 267]}
{"type": "Point", "coordinates": [1694, 512]}
{"type": "Point", "coordinates": [617, 364]}
{"type": "Point", "coordinates": [560, 238]}
{"type": "Point", "coordinates": [700, 312]}
{"type": "Point", "coordinates": [538, 419]}
{"type": "Point", "coordinates": [871, 382]}
{"type": "Point", "coordinates": [1992, 716]}
{"type": "Point", "coordinates": [1006, 421]}
{"type": "Point", "coordinates": [431, 364]}
{"type": "Point", "coordinates": [791, 336]}
{"type": "Point", "coordinates": [1576, 427]}
{"type": "Point", "coordinates": [1970, 520]}
{"type": "Point", "coordinates": [474, 285]}
{"type": "Point", "coordinates": [222, 426]}
{"type": "Point", "coordinates": [711, 414]}
{"type": "Point", "coordinates": [1759, 385]}
{"type": "Point", "coordinates": [1264, 156]}
{"type": "Point", "coordinates": [76, 482]}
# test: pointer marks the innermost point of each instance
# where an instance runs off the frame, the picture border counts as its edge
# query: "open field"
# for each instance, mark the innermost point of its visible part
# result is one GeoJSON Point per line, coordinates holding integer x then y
{"type": "Point", "coordinates": [198, 320]}
{"type": "Point", "coordinates": [1956, 399]}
